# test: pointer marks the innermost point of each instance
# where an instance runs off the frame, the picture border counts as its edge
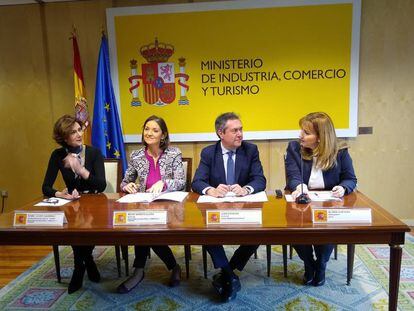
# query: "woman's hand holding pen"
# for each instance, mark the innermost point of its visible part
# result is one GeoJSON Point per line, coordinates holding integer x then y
{"type": "Point", "coordinates": [130, 188]}
{"type": "Point", "coordinates": [338, 191]}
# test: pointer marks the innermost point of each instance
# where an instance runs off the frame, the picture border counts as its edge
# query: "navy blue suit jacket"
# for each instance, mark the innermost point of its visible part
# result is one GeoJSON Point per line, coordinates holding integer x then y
{"type": "Point", "coordinates": [341, 174]}
{"type": "Point", "coordinates": [248, 169]}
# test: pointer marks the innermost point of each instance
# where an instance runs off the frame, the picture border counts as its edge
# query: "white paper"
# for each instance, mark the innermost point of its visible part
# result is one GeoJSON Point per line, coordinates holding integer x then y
{"type": "Point", "coordinates": [59, 203]}
{"type": "Point", "coordinates": [146, 197]}
{"type": "Point", "coordinates": [316, 196]}
{"type": "Point", "coordinates": [322, 196]}
{"type": "Point", "coordinates": [257, 197]}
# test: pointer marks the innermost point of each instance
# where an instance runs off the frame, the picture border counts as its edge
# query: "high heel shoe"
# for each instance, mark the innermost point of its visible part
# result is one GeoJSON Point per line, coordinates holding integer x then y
{"type": "Point", "coordinates": [175, 277]}
{"type": "Point", "coordinates": [92, 271]}
{"type": "Point", "coordinates": [77, 279]}
{"type": "Point", "coordinates": [132, 282]}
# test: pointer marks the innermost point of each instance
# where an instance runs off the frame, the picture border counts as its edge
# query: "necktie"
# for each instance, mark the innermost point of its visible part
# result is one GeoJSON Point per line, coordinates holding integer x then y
{"type": "Point", "coordinates": [230, 168]}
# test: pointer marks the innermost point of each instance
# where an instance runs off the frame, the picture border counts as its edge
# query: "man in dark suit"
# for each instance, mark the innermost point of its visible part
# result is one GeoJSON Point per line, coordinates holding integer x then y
{"type": "Point", "coordinates": [229, 167]}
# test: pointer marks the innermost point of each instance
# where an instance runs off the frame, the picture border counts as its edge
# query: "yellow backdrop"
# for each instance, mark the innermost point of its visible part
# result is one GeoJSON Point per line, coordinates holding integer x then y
{"type": "Point", "coordinates": [272, 65]}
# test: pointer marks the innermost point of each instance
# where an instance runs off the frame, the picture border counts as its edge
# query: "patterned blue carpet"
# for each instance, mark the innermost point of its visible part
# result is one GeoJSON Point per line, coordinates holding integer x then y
{"type": "Point", "coordinates": [37, 288]}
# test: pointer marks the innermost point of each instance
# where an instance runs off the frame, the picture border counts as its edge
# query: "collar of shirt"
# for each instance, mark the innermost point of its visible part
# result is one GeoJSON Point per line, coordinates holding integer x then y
{"type": "Point", "coordinates": [225, 150]}
{"type": "Point", "coordinates": [150, 157]}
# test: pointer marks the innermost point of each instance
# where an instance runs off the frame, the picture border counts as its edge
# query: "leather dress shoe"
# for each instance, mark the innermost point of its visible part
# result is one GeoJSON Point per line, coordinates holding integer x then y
{"type": "Point", "coordinates": [77, 279]}
{"type": "Point", "coordinates": [92, 271]}
{"type": "Point", "coordinates": [175, 277]}
{"type": "Point", "coordinates": [319, 279]}
{"type": "Point", "coordinates": [308, 276]}
{"type": "Point", "coordinates": [218, 283]}
{"type": "Point", "coordinates": [230, 289]}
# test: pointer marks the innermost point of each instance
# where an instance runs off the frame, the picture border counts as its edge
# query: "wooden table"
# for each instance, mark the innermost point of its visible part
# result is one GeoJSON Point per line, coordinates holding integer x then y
{"type": "Point", "coordinates": [90, 222]}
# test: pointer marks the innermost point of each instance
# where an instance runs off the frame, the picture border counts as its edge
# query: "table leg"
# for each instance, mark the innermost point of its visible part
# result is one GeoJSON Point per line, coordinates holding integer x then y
{"type": "Point", "coordinates": [57, 262]}
{"type": "Point", "coordinates": [395, 268]}
{"type": "Point", "coordinates": [350, 254]}
{"type": "Point", "coordinates": [118, 260]}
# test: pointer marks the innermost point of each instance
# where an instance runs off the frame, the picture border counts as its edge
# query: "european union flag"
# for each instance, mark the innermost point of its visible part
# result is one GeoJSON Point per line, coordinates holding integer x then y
{"type": "Point", "coordinates": [106, 129]}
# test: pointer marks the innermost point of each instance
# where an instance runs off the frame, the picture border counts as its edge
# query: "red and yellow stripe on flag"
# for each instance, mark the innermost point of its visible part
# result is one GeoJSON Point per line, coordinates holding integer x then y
{"type": "Point", "coordinates": [81, 106]}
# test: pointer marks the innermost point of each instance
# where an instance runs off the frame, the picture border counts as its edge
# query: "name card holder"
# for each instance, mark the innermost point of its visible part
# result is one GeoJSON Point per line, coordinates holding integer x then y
{"type": "Point", "coordinates": [235, 216]}
{"type": "Point", "coordinates": [39, 219]}
{"type": "Point", "coordinates": [341, 215]}
{"type": "Point", "coordinates": [139, 217]}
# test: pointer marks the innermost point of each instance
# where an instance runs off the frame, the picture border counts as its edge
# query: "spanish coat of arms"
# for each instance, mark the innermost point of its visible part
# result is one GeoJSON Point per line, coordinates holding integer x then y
{"type": "Point", "coordinates": [158, 76]}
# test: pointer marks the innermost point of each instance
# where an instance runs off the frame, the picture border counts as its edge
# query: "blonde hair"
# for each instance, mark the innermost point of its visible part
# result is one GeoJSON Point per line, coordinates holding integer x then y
{"type": "Point", "coordinates": [327, 148]}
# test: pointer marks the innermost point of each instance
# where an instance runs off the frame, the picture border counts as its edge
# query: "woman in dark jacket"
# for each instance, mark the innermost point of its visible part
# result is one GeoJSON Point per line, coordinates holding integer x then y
{"type": "Point", "coordinates": [82, 169]}
{"type": "Point", "coordinates": [319, 162]}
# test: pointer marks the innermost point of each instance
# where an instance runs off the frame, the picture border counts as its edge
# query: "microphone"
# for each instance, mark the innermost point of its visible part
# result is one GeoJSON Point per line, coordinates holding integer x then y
{"type": "Point", "coordinates": [303, 198]}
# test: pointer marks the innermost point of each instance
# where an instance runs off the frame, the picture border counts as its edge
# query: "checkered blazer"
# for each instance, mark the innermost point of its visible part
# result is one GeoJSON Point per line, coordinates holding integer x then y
{"type": "Point", "coordinates": [171, 169]}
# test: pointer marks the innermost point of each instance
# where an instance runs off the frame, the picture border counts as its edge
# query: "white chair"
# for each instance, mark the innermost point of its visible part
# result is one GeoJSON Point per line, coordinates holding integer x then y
{"type": "Point", "coordinates": [113, 175]}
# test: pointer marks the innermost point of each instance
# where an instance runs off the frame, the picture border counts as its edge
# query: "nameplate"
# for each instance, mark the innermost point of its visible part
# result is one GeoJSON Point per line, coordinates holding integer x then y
{"type": "Point", "coordinates": [29, 219]}
{"type": "Point", "coordinates": [243, 216]}
{"type": "Point", "coordinates": [341, 215]}
{"type": "Point", "coordinates": [137, 218]}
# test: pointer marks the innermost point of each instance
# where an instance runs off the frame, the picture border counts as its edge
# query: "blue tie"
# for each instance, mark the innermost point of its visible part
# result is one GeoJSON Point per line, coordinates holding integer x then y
{"type": "Point", "coordinates": [230, 168]}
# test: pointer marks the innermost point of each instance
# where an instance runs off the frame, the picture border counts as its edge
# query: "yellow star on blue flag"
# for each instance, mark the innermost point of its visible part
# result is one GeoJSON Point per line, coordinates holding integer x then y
{"type": "Point", "coordinates": [106, 128]}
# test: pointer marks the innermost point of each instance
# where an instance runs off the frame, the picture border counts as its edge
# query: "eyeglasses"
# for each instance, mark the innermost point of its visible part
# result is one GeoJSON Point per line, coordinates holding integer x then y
{"type": "Point", "coordinates": [236, 130]}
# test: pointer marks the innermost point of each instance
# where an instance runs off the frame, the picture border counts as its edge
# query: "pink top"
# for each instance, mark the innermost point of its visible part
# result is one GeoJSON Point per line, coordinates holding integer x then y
{"type": "Point", "coordinates": [154, 174]}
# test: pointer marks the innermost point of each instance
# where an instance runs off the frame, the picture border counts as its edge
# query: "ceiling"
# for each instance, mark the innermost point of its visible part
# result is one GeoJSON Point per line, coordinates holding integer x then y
{"type": "Point", "coordinates": [17, 2]}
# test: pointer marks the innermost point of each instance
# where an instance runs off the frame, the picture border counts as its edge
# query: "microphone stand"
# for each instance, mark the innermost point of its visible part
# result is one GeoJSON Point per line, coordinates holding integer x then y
{"type": "Point", "coordinates": [303, 198]}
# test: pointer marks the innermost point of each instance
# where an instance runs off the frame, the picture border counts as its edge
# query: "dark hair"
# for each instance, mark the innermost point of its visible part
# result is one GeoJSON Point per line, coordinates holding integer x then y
{"type": "Point", "coordinates": [164, 130]}
{"type": "Point", "coordinates": [63, 127]}
{"type": "Point", "coordinates": [222, 119]}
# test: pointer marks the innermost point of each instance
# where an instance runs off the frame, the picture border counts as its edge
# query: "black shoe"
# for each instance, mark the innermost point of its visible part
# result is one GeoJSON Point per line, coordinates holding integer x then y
{"type": "Point", "coordinates": [92, 271]}
{"type": "Point", "coordinates": [319, 279]}
{"type": "Point", "coordinates": [218, 283]}
{"type": "Point", "coordinates": [308, 276]}
{"type": "Point", "coordinates": [230, 289]}
{"type": "Point", "coordinates": [175, 277]}
{"type": "Point", "coordinates": [77, 279]}
{"type": "Point", "coordinates": [123, 289]}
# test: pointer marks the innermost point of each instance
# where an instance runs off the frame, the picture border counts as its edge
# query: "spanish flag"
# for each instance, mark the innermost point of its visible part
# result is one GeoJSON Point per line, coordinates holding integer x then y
{"type": "Point", "coordinates": [81, 106]}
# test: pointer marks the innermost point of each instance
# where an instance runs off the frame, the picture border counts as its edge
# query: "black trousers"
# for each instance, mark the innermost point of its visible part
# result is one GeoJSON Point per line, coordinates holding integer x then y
{"type": "Point", "coordinates": [322, 253]}
{"type": "Point", "coordinates": [82, 254]}
{"type": "Point", "coordinates": [239, 259]}
{"type": "Point", "coordinates": [163, 251]}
